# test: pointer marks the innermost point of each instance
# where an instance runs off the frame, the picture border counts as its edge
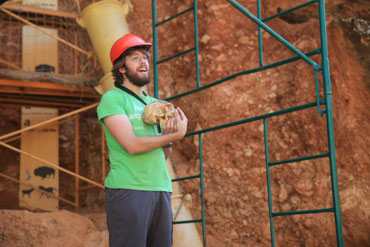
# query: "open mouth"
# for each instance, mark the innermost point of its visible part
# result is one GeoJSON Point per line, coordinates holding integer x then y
{"type": "Point", "coordinates": [142, 70]}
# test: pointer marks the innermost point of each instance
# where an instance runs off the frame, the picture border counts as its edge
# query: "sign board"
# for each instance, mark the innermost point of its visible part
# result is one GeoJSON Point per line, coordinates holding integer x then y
{"type": "Point", "coordinates": [43, 143]}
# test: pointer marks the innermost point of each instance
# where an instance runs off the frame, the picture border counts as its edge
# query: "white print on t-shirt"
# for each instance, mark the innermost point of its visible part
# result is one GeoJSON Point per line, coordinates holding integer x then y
{"type": "Point", "coordinates": [138, 128]}
{"type": "Point", "coordinates": [137, 116]}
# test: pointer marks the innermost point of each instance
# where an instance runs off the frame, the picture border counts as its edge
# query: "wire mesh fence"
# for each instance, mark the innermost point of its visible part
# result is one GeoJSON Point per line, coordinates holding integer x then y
{"type": "Point", "coordinates": [43, 36]}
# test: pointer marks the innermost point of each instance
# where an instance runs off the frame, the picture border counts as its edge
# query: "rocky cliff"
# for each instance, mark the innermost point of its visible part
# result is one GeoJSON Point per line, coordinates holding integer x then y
{"type": "Point", "coordinates": [234, 158]}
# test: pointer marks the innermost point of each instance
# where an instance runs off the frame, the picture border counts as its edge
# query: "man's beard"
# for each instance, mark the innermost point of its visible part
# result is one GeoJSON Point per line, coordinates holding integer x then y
{"type": "Point", "coordinates": [136, 79]}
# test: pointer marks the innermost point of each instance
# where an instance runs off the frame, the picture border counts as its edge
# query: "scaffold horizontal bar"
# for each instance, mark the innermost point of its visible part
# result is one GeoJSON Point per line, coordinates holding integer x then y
{"type": "Point", "coordinates": [3, 137]}
{"type": "Point", "coordinates": [260, 117]}
{"type": "Point", "coordinates": [17, 7]}
{"type": "Point", "coordinates": [172, 17]}
{"type": "Point", "coordinates": [245, 72]}
{"type": "Point", "coordinates": [311, 211]}
{"type": "Point", "coordinates": [185, 178]}
{"type": "Point", "coordinates": [299, 159]}
{"type": "Point", "coordinates": [176, 55]}
{"type": "Point", "coordinates": [186, 221]}
{"type": "Point", "coordinates": [290, 10]}
{"type": "Point", "coordinates": [274, 34]}
{"type": "Point", "coordinates": [51, 164]}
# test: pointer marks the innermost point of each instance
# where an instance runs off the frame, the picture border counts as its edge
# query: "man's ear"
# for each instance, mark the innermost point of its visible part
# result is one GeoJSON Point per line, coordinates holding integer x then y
{"type": "Point", "coordinates": [122, 70]}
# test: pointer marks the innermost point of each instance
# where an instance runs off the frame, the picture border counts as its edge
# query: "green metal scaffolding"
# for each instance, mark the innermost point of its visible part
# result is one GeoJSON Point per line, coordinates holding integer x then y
{"type": "Point", "coordinates": [327, 102]}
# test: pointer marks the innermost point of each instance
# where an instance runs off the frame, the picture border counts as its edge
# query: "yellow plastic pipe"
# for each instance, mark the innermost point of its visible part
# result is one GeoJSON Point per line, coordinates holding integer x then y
{"type": "Point", "coordinates": [106, 83]}
{"type": "Point", "coordinates": [105, 22]}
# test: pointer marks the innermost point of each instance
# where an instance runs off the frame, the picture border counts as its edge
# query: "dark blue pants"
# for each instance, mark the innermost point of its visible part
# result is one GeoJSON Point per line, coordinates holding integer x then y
{"type": "Point", "coordinates": [138, 218]}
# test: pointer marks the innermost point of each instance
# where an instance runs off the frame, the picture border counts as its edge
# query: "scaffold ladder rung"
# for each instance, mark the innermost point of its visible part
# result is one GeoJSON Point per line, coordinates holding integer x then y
{"type": "Point", "coordinates": [312, 211]}
{"type": "Point", "coordinates": [185, 178]}
{"type": "Point", "coordinates": [187, 221]}
{"type": "Point", "coordinates": [299, 159]}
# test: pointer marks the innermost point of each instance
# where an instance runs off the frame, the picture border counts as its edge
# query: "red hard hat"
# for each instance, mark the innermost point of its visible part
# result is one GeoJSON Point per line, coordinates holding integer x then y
{"type": "Point", "coordinates": [127, 41]}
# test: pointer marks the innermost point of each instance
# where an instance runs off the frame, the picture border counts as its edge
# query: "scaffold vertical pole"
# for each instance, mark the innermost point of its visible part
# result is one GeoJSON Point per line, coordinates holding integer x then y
{"type": "Point", "coordinates": [329, 121]}
{"type": "Point", "coordinates": [260, 44]}
{"type": "Point", "coordinates": [155, 47]}
{"type": "Point", "coordinates": [268, 182]}
{"type": "Point", "coordinates": [202, 189]}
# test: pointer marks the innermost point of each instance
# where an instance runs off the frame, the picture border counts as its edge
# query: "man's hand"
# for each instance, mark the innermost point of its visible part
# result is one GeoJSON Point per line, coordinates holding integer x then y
{"type": "Point", "coordinates": [181, 123]}
{"type": "Point", "coordinates": [169, 126]}
{"type": "Point", "coordinates": [178, 124]}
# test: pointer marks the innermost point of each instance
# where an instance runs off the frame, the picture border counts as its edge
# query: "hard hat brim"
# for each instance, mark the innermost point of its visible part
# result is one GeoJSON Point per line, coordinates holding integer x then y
{"type": "Point", "coordinates": [145, 46]}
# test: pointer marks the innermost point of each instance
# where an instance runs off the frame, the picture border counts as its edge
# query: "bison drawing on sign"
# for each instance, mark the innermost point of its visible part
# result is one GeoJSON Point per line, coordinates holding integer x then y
{"type": "Point", "coordinates": [27, 192]}
{"type": "Point", "coordinates": [44, 172]}
{"type": "Point", "coordinates": [46, 189]}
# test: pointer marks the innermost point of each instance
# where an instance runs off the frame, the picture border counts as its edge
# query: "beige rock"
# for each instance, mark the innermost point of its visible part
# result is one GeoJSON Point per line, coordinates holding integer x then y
{"type": "Point", "coordinates": [221, 58]}
{"type": "Point", "coordinates": [283, 195]}
{"type": "Point", "coordinates": [205, 38]}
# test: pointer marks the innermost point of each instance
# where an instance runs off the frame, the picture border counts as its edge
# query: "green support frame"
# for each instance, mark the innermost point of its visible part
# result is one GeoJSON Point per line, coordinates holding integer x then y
{"type": "Point", "coordinates": [327, 102]}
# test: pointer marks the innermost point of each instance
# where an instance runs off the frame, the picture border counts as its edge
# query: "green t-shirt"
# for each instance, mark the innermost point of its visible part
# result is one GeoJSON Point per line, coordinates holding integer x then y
{"type": "Point", "coordinates": [144, 171]}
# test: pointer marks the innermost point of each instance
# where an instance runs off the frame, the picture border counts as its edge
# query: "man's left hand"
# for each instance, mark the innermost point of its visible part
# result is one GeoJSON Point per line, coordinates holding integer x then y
{"type": "Point", "coordinates": [169, 126]}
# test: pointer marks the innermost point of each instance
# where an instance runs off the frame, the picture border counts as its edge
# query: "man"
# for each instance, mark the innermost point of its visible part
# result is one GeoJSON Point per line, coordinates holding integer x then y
{"type": "Point", "coordinates": [138, 186]}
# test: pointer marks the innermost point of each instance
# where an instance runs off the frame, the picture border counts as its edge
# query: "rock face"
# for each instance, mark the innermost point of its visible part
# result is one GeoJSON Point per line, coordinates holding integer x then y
{"type": "Point", "coordinates": [236, 204]}
{"type": "Point", "coordinates": [234, 158]}
{"type": "Point", "coordinates": [59, 229]}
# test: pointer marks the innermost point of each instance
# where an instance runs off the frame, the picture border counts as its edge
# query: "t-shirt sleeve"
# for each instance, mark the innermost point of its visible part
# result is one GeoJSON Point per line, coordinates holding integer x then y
{"type": "Point", "coordinates": [109, 105]}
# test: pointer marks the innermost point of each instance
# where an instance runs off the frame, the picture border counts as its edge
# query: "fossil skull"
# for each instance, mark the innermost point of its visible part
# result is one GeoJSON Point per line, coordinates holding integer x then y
{"type": "Point", "coordinates": [158, 111]}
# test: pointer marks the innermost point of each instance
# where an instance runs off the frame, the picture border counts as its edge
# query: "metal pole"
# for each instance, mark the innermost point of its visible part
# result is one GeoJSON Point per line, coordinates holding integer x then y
{"type": "Point", "coordinates": [51, 164]}
{"type": "Point", "coordinates": [10, 65]}
{"type": "Point", "coordinates": [260, 45]}
{"type": "Point", "coordinates": [202, 189]}
{"type": "Point", "coordinates": [155, 48]}
{"type": "Point", "coordinates": [75, 60]}
{"type": "Point", "coordinates": [330, 125]}
{"type": "Point", "coordinates": [268, 182]}
{"type": "Point", "coordinates": [77, 158]}
{"type": "Point", "coordinates": [196, 41]}
{"type": "Point", "coordinates": [48, 121]}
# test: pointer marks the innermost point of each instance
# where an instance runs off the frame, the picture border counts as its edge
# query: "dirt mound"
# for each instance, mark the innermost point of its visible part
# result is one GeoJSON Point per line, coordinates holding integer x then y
{"type": "Point", "coordinates": [21, 228]}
